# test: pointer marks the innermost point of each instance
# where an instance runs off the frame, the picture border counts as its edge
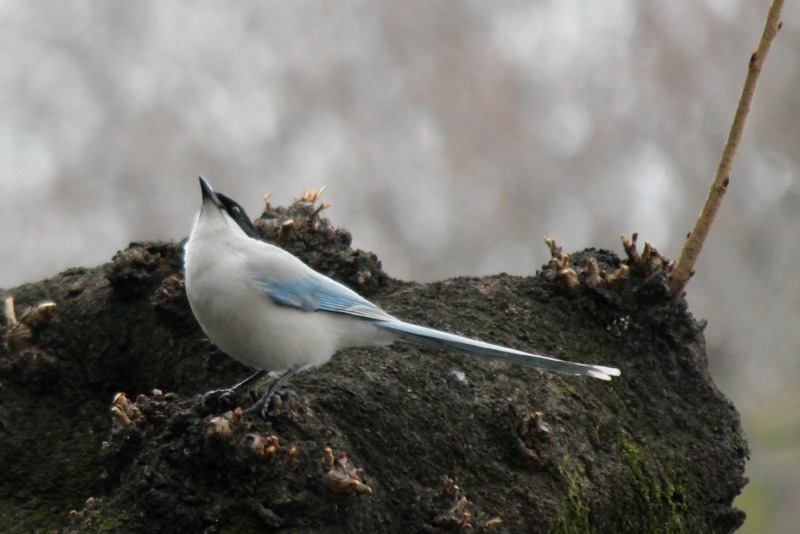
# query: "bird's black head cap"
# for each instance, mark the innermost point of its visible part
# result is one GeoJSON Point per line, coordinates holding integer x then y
{"type": "Point", "coordinates": [237, 213]}
{"type": "Point", "coordinates": [234, 210]}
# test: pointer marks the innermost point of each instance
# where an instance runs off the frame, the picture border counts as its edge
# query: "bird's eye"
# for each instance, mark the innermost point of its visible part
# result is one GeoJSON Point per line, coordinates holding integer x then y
{"type": "Point", "coordinates": [235, 210]}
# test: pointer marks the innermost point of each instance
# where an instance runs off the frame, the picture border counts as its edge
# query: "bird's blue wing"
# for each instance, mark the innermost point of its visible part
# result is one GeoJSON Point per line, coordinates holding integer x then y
{"type": "Point", "coordinates": [314, 292]}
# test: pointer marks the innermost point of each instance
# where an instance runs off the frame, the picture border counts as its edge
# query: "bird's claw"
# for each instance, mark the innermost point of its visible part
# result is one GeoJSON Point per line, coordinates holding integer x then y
{"type": "Point", "coordinates": [220, 398]}
{"type": "Point", "coordinates": [261, 405]}
{"type": "Point", "coordinates": [286, 394]}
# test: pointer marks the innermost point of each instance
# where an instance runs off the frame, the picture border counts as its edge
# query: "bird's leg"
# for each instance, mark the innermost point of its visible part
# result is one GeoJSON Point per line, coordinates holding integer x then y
{"type": "Point", "coordinates": [225, 398]}
{"type": "Point", "coordinates": [261, 405]}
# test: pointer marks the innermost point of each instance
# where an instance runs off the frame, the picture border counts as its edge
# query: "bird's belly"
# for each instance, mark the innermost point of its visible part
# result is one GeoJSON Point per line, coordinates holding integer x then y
{"type": "Point", "coordinates": [259, 333]}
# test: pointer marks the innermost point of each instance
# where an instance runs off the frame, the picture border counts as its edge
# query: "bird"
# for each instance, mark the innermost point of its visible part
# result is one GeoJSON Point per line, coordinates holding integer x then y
{"type": "Point", "coordinates": [267, 309]}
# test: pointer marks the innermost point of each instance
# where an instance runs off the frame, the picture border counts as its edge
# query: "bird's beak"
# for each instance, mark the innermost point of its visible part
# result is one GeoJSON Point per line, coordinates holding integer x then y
{"type": "Point", "coordinates": [209, 194]}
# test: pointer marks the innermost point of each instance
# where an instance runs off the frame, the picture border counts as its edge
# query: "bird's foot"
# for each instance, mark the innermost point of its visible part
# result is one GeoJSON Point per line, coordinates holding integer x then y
{"type": "Point", "coordinates": [283, 393]}
{"type": "Point", "coordinates": [261, 406]}
{"type": "Point", "coordinates": [221, 398]}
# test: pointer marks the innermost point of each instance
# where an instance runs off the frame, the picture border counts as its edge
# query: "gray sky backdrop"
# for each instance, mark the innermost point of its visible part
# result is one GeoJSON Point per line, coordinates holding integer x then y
{"type": "Point", "coordinates": [451, 136]}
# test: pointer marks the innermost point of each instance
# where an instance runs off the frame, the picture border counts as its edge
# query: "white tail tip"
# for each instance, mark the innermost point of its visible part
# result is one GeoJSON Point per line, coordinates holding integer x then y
{"type": "Point", "coordinates": [603, 373]}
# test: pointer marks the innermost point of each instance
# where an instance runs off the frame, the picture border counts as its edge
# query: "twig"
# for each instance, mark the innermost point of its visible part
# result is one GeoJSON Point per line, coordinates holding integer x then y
{"type": "Point", "coordinates": [11, 317]}
{"type": "Point", "coordinates": [694, 242]}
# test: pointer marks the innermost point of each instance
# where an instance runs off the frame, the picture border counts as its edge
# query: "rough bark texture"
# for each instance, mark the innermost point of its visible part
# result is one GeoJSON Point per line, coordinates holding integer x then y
{"type": "Point", "coordinates": [444, 440]}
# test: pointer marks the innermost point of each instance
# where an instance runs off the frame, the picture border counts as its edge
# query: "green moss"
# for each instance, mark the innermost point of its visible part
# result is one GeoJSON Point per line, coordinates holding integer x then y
{"type": "Point", "coordinates": [574, 515]}
{"type": "Point", "coordinates": [629, 447]}
{"type": "Point", "coordinates": [646, 499]}
{"type": "Point", "coordinates": [653, 498]}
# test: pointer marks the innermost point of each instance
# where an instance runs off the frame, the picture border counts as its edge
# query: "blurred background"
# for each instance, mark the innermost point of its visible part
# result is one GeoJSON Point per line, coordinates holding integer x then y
{"type": "Point", "coordinates": [451, 136]}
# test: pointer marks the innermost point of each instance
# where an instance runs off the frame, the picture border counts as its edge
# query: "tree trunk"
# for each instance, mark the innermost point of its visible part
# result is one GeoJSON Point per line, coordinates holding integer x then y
{"type": "Point", "coordinates": [420, 440]}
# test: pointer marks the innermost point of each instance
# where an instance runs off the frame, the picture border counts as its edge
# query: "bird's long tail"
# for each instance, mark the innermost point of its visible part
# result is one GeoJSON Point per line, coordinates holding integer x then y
{"type": "Point", "coordinates": [436, 338]}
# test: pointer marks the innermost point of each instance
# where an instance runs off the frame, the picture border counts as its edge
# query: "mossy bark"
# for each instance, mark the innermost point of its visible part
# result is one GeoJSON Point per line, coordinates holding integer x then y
{"type": "Point", "coordinates": [658, 449]}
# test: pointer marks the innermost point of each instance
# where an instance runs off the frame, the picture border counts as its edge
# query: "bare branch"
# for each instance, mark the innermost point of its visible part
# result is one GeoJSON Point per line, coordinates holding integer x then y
{"type": "Point", "coordinates": [694, 242]}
